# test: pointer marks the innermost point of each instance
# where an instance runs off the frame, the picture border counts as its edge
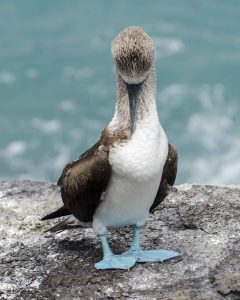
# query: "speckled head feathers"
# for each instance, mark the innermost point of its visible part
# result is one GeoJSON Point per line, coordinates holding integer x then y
{"type": "Point", "coordinates": [133, 53]}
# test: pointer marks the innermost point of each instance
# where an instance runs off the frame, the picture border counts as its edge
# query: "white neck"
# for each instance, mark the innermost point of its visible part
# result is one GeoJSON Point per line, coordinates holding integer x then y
{"type": "Point", "coordinates": [146, 107]}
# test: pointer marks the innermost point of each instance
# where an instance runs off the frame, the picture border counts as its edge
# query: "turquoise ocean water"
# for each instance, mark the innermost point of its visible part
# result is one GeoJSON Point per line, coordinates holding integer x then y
{"type": "Point", "coordinates": [57, 85]}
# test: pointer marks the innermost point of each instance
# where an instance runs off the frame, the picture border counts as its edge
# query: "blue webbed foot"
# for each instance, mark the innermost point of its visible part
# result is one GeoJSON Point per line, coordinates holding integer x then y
{"type": "Point", "coordinates": [147, 255]}
{"type": "Point", "coordinates": [151, 255]}
{"type": "Point", "coordinates": [116, 262]}
{"type": "Point", "coordinates": [111, 261]}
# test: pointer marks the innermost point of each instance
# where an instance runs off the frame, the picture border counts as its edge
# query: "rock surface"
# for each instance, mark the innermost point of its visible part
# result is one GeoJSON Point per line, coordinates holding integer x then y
{"type": "Point", "coordinates": [202, 222]}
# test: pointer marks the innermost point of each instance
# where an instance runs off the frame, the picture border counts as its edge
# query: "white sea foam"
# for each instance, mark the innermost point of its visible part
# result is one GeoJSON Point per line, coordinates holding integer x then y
{"type": "Point", "coordinates": [166, 27]}
{"type": "Point", "coordinates": [92, 124]}
{"type": "Point", "coordinates": [210, 129]}
{"type": "Point", "coordinates": [67, 105]}
{"type": "Point", "coordinates": [216, 168]}
{"type": "Point", "coordinates": [213, 122]}
{"type": "Point", "coordinates": [62, 157]}
{"type": "Point", "coordinates": [32, 73]}
{"type": "Point", "coordinates": [7, 77]}
{"type": "Point", "coordinates": [172, 97]}
{"type": "Point", "coordinates": [14, 148]}
{"type": "Point", "coordinates": [98, 90]}
{"type": "Point", "coordinates": [46, 126]}
{"type": "Point", "coordinates": [173, 94]}
{"type": "Point", "coordinates": [78, 73]}
{"type": "Point", "coordinates": [168, 46]}
{"type": "Point", "coordinates": [98, 42]}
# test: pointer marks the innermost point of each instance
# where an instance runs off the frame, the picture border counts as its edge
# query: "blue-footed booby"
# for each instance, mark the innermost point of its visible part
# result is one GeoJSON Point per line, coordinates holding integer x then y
{"type": "Point", "coordinates": [128, 172]}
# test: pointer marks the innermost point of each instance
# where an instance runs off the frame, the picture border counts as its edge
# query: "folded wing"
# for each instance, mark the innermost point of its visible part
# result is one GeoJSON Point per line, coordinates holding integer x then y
{"type": "Point", "coordinates": [168, 176]}
{"type": "Point", "coordinates": [82, 183]}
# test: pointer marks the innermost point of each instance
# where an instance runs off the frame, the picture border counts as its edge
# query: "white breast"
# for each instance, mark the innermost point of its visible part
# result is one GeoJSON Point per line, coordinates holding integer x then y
{"type": "Point", "coordinates": [136, 174]}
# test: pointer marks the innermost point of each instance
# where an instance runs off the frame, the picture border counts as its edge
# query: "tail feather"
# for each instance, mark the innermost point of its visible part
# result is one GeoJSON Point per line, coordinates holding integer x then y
{"type": "Point", "coordinates": [62, 211]}
{"type": "Point", "coordinates": [68, 223]}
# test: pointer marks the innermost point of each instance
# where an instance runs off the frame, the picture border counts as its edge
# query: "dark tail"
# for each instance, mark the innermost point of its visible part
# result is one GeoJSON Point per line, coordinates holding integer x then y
{"type": "Point", "coordinates": [63, 211]}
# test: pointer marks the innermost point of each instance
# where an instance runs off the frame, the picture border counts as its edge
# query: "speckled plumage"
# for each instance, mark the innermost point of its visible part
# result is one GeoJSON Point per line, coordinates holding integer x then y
{"type": "Point", "coordinates": [133, 53]}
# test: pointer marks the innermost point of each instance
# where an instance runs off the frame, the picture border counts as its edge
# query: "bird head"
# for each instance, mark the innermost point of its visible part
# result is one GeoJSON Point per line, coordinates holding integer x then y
{"type": "Point", "coordinates": [133, 53]}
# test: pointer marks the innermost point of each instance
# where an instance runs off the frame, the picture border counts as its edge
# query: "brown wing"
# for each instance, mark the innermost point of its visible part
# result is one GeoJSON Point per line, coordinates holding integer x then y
{"type": "Point", "coordinates": [168, 176]}
{"type": "Point", "coordinates": [83, 181]}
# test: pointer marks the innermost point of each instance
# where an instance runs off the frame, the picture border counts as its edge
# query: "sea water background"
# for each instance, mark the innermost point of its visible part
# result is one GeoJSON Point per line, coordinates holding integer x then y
{"type": "Point", "coordinates": [57, 85]}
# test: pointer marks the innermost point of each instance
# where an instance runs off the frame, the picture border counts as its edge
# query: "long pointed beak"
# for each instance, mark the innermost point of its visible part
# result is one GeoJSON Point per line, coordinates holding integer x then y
{"type": "Point", "coordinates": [133, 91]}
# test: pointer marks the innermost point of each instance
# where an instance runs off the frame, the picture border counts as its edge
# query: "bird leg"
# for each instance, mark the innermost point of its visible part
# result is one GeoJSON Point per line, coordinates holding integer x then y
{"type": "Point", "coordinates": [112, 261]}
{"type": "Point", "coordinates": [146, 255]}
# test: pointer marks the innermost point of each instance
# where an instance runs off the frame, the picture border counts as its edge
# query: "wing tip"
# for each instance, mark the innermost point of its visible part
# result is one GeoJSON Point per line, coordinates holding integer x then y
{"type": "Point", "coordinates": [62, 211]}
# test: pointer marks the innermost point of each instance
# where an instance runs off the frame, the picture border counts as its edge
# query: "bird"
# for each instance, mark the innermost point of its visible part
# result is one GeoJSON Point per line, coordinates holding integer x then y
{"type": "Point", "coordinates": [130, 170]}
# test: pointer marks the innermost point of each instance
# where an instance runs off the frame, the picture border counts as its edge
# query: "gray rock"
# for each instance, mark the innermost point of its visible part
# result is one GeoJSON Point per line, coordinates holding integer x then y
{"type": "Point", "coordinates": [202, 222]}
